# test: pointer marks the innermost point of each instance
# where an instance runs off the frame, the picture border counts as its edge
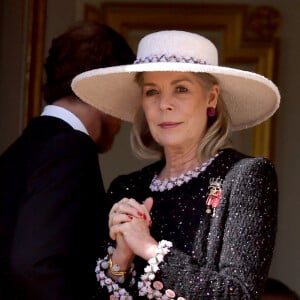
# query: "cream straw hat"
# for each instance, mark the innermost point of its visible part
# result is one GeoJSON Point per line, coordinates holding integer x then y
{"type": "Point", "coordinates": [250, 98]}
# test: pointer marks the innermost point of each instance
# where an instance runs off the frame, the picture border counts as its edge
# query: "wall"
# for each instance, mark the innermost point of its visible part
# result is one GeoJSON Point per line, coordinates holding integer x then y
{"type": "Point", "coordinates": [286, 263]}
{"type": "Point", "coordinates": [12, 68]}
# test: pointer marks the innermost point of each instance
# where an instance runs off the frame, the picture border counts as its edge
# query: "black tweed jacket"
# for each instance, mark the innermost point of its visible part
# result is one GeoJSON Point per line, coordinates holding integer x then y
{"type": "Point", "coordinates": [223, 257]}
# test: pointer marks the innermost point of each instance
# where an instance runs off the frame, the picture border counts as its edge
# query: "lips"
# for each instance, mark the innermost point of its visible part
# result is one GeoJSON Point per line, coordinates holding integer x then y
{"type": "Point", "coordinates": [169, 124]}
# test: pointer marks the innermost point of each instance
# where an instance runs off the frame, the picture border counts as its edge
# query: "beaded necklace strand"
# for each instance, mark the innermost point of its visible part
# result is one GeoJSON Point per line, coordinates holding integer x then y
{"type": "Point", "coordinates": [158, 185]}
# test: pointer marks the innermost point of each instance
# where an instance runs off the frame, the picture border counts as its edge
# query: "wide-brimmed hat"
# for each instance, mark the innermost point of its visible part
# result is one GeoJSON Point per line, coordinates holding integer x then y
{"type": "Point", "coordinates": [250, 98]}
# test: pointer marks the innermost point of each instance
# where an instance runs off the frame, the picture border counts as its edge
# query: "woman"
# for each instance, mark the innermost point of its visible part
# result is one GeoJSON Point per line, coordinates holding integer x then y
{"type": "Point", "coordinates": [200, 222]}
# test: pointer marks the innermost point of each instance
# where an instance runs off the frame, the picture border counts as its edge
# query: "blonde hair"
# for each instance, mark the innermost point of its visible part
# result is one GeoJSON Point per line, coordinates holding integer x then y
{"type": "Point", "coordinates": [217, 136]}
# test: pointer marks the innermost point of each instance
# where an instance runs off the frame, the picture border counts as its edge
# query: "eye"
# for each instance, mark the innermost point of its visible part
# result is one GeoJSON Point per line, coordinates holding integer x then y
{"type": "Point", "coordinates": [181, 89]}
{"type": "Point", "coordinates": [150, 92]}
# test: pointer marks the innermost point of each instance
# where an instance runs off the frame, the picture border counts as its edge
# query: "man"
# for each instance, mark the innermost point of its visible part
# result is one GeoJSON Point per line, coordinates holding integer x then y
{"type": "Point", "coordinates": [52, 206]}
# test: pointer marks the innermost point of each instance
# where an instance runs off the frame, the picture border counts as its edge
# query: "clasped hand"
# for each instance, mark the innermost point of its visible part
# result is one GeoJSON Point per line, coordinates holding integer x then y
{"type": "Point", "coordinates": [129, 223]}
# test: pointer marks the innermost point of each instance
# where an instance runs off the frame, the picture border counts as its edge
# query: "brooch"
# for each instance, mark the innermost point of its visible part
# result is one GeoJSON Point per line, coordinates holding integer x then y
{"type": "Point", "coordinates": [214, 195]}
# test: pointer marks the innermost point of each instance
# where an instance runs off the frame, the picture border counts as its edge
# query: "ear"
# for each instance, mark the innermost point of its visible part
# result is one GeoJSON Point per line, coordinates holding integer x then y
{"type": "Point", "coordinates": [213, 96]}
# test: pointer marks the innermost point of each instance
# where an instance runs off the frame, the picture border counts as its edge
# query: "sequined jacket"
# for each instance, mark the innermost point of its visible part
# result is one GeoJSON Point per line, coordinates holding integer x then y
{"type": "Point", "coordinates": [223, 257]}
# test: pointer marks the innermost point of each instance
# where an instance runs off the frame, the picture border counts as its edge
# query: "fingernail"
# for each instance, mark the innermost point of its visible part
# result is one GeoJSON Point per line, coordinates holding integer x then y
{"type": "Point", "coordinates": [140, 214]}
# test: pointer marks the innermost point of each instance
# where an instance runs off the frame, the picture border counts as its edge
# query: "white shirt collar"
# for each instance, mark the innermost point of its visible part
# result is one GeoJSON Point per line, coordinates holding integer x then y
{"type": "Point", "coordinates": [65, 115]}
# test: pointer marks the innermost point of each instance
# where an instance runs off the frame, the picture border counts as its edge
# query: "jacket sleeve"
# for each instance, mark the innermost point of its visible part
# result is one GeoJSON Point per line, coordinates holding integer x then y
{"type": "Point", "coordinates": [240, 242]}
{"type": "Point", "coordinates": [51, 253]}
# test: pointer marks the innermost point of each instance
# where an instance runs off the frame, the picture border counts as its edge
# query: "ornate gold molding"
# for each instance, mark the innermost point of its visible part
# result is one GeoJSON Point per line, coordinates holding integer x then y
{"type": "Point", "coordinates": [34, 58]}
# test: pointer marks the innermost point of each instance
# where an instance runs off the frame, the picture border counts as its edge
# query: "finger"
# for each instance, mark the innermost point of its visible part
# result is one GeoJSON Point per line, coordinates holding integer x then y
{"type": "Point", "coordinates": [123, 200]}
{"type": "Point", "coordinates": [132, 207]}
{"type": "Point", "coordinates": [145, 209]}
{"type": "Point", "coordinates": [114, 209]}
{"type": "Point", "coordinates": [129, 209]}
{"type": "Point", "coordinates": [118, 219]}
{"type": "Point", "coordinates": [114, 231]}
{"type": "Point", "coordinates": [124, 206]}
{"type": "Point", "coordinates": [148, 203]}
{"type": "Point", "coordinates": [142, 210]}
{"type": "Point", "coordinates": [138, 222]}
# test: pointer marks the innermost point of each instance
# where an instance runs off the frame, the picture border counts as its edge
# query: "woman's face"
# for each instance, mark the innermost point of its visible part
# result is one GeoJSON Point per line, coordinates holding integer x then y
{"type": "Point", "coordinates": [175, 106]}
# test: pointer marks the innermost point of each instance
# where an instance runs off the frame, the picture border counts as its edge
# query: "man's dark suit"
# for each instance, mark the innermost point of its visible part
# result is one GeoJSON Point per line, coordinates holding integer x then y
{"type": "Point", "coordinates": [52, 213]}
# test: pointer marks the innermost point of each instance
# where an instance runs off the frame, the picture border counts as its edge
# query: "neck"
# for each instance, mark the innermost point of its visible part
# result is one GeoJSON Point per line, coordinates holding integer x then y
{"type": "Point", "coordinates": [89, 116]}
{"type": "Point", "coordinates": [178, 164]}
{"type": "Point", "coordinates": [179, 160]}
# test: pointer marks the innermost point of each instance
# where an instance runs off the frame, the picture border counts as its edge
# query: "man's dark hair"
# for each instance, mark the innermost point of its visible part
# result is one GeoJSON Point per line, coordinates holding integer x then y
{"type": "Point", "coordinates": [84, 47]}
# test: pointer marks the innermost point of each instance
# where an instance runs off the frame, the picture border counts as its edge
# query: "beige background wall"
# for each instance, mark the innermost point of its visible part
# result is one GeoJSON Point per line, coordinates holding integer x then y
{"type": "Point", "coordinates": [60, 14]}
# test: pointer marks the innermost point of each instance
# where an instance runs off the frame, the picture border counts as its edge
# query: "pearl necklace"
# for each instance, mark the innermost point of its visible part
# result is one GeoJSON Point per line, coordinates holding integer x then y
{"type": "Point", "coordinates": [158, 185]}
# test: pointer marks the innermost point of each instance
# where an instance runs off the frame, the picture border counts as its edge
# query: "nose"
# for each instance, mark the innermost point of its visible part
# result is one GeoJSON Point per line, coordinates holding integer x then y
{"type": "Point", "coordinates": [166, 102]}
